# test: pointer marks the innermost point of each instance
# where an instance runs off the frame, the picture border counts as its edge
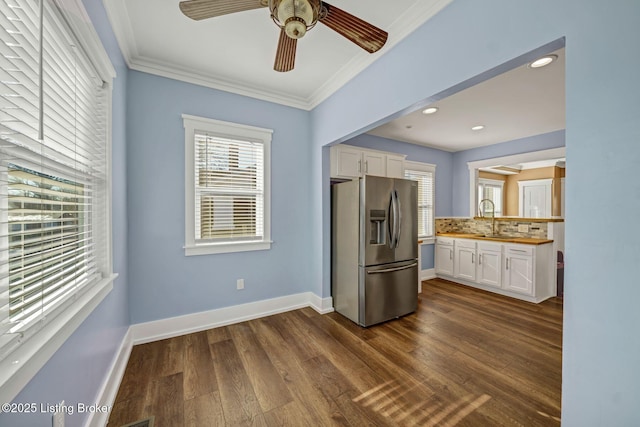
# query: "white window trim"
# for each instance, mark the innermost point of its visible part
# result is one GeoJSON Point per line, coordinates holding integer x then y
{"type": "Point", "coordinates": [426, 167]}
{"type": "Point", "coordinates": [33, 352]}
{"type": "Point", "coordinates": [224, 129]}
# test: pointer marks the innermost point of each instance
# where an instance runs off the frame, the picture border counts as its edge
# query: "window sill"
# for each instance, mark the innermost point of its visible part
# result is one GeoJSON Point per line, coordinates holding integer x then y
{"type": "Point", "coordinates": [23, 363]}
{"type": "Point", "coordinates": [427, 240]}
{"type": "Point", "coordinates": [222, 248]}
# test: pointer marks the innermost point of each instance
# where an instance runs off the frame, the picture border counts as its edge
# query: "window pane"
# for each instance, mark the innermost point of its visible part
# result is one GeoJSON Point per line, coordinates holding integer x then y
{"type": "Point", "coordinates": [48, 240]}
{"type": "Point", "coordinates": [229, 188]}
{"type": "Point", "coordinates": [425, 200]}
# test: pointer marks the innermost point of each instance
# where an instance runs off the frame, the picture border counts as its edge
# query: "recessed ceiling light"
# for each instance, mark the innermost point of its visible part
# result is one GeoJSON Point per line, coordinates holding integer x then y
{"type": "Point", "coordinates": [408, 126]}
{"type": "Point", "coordinates": [479, 127]}
{"type": "Point", "coordinates": [430, 110]}
{"type": "Point", "coordinates": [541, 62]}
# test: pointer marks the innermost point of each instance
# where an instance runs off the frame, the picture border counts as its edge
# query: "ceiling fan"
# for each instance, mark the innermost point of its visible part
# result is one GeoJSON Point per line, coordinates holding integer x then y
{"type": "Point", "coordinates": [295, 18]}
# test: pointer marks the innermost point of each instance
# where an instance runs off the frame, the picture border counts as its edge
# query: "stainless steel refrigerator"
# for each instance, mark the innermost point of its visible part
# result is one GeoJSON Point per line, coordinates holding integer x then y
{"type": "Point", "coordinates": [374, 248]}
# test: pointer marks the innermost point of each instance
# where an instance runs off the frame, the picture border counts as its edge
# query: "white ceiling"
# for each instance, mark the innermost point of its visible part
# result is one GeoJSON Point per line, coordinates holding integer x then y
{"type": "Point", "coordinates": [236, 52]}
{"type": "Point", "coordinates": [516, 104]}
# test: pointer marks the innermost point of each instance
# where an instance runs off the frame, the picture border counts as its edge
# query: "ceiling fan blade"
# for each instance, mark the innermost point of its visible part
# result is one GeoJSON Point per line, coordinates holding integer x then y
{"type": "Point", "coordinates": [362, 33]}
{"type": "Point", "coordinates": [203, 9]}
{"type": "Point", "coordinates": [286, 53]}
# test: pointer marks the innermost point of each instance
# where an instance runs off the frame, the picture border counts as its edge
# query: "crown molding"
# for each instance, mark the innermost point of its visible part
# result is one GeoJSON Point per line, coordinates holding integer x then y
{"type": "Point", "coordinates": [240, 88]}
{"type": "Point", "coordinates": [404, 25]}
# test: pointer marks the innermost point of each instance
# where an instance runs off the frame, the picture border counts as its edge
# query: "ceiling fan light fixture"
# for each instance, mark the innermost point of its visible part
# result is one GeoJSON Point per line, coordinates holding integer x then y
{"type": "Point", "coordinates": [295, 16]}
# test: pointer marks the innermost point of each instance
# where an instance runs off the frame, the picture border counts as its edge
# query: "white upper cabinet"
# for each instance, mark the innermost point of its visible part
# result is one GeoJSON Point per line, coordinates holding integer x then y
{"type": "Point", "coordinates": [395, 166]}
{"type": "Point", "coordinates": [374, 163]}
{"type": "Point", "coordinates": [348, 162]}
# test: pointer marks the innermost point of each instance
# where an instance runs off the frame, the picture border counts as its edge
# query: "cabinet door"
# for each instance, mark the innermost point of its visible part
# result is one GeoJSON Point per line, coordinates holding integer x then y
{"type": "Point", "coordinates": [395, 166]}
{"type": "Point", "coordinates": [519, 273]}
{"type": "Point", "coordinates": [490, 267]}
{"type": "Point", "coordinates": [444, 260]}
{"type": "Point", "coordinates": [374, 164]}
{"type": "Point", "coordinates": [465, 263]}
{"type": "Point", "coordinates": [348, 162]}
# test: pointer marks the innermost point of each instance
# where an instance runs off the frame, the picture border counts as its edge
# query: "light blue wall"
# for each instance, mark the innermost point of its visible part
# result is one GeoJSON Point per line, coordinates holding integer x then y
{"type": "Point", "coordinates": [165, 283]}
{"type": "Point", "coordinates": [77, 370]}
{"type": "Point", "coordinates": [601, 349]}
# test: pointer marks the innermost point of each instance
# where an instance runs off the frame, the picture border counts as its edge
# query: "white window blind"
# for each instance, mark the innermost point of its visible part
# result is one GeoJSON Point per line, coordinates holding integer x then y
{"type": "Point", "coordinates": [425, 175]}
{"type": "Point", "coordinates": [492, 190]}
{"type": "Point", "coordinates": [54, 205]}
{"type": "Point", "coordinates": [229, 189]}
{"type": "Point", "coordinates": [227, 186]}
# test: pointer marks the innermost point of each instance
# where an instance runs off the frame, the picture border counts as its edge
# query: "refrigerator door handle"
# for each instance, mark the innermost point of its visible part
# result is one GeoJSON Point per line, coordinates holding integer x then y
{"type": "Point", "coordinates": [398, 219]}
{"type": "Point", "coordinates": [392, 221]}
{"type": "Point", "coordinates": [389, 270]}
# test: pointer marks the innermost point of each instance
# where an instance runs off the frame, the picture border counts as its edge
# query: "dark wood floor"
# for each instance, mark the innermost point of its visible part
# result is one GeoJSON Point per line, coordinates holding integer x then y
{"type": "Point", "coordinates": [466, 358]}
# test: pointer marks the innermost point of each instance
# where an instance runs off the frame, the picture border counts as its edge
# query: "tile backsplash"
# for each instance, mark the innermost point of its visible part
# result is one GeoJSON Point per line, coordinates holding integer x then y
{"type": "Point", "coordinates": [537, 230]}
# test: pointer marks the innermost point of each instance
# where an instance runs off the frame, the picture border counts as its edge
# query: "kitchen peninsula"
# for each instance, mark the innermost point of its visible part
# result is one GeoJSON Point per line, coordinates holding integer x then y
{"type": "Point", "coordinates": [515, 257]}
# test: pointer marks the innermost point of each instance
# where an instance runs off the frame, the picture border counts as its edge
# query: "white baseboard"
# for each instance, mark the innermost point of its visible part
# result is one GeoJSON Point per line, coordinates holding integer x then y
{"type": "Point", "coordinates": [181, 325]}
{"type": "Point", "coordinates": [428, 274]}
{"type": "Point", "coordinates": [110, 386]}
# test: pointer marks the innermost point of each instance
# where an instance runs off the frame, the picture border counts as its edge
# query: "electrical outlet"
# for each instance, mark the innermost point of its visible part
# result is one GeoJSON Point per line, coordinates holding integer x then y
{"type": "Point", "coordinates": [58, 416]}
{"type": "Point", "coordinates": [523, 228]}
{"type": "Point", "coordinates": [240, 284]}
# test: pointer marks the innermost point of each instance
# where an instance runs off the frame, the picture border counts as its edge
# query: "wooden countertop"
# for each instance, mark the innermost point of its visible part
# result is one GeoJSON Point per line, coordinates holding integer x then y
{"type": "Point", "coordinates": [518, 219]}
{"type": "Point", "coordinates": [521, 240]}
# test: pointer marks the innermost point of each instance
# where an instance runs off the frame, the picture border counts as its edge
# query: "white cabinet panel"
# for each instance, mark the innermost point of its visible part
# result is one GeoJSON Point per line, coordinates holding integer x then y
{"type": "Point", "coordinates": [444, 259]}
{"type": "Point", "coordinates": [374, 164]}
{"type": "Point", "coordinates": [518, 272]}
{"type": "Point", "coordinates": [465, 260]}
{"type": "Point", "coordinates": [395, 166]}
{"type": "Point", "coordinates": [490, 265]}
{"type": "Point", "coordinates": [347, 162]}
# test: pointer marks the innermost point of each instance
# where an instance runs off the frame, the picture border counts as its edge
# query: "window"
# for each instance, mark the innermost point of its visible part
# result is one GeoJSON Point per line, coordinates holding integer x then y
{"type": "Point", "coordinates": [425, 175]}
{"type": "Point", "coordinates": [55, 255]}
{"type": "Point", "coordinates": [227, 187]}
{"type": "Point", "coordinates": [493, 190]}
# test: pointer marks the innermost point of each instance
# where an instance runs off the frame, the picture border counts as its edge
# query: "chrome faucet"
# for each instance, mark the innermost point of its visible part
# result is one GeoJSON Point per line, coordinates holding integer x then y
{"type": "Point", "coordinates": [493, 213]}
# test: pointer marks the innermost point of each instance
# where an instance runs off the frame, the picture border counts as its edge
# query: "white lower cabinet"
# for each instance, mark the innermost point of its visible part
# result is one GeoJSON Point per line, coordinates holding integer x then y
{"type": "Point", "coordinates": [517, 270]}
{"type": "Point", "coordinates": [464, 264]}
{"type": "Point", "coordinates": [444, 256]}
{"type": "Point", "coordinates": [490, 264]}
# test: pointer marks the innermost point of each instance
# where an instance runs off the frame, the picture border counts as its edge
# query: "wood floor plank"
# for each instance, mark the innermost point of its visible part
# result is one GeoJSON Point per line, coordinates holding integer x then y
{"type": "Point", "coordinates": [466, 357]}
{"type": "Point", "coordinates": [204, 410]}
{"type": "Point", "coordinates": [170, 355]}
{"type": "Point", "coordinates": [239, 402]}
{"type": "Point", "coordinates": [268, 386]}
{"type": "Point", "coordinates": [165, 401]}
{"type": "Point", "coordinates": [139, 373]}
{"type": "Point", "coordinates": [199, 370]}
{"type": "Point", "coordinates": [302, 387]}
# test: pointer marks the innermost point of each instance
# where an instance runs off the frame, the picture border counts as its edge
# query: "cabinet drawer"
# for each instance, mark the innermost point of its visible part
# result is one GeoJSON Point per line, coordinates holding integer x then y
{"type": "Point", "coordinates": [520, 250]}
{"type": "Point", "coordinates": [446, 241]}
{"type": "Point", "coordinates": [465, 243]}
{"type": "Point", "coordinates": [490, 247]}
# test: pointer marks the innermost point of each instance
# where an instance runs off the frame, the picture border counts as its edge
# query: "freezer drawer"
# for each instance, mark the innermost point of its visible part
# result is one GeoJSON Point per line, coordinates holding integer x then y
{"type": "Point", "coordinates": [388, 291]}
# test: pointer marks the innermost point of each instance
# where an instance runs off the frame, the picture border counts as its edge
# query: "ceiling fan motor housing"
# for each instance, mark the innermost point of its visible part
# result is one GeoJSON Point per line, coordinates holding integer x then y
{"type": "Point", "coordinates": [295, 16]}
